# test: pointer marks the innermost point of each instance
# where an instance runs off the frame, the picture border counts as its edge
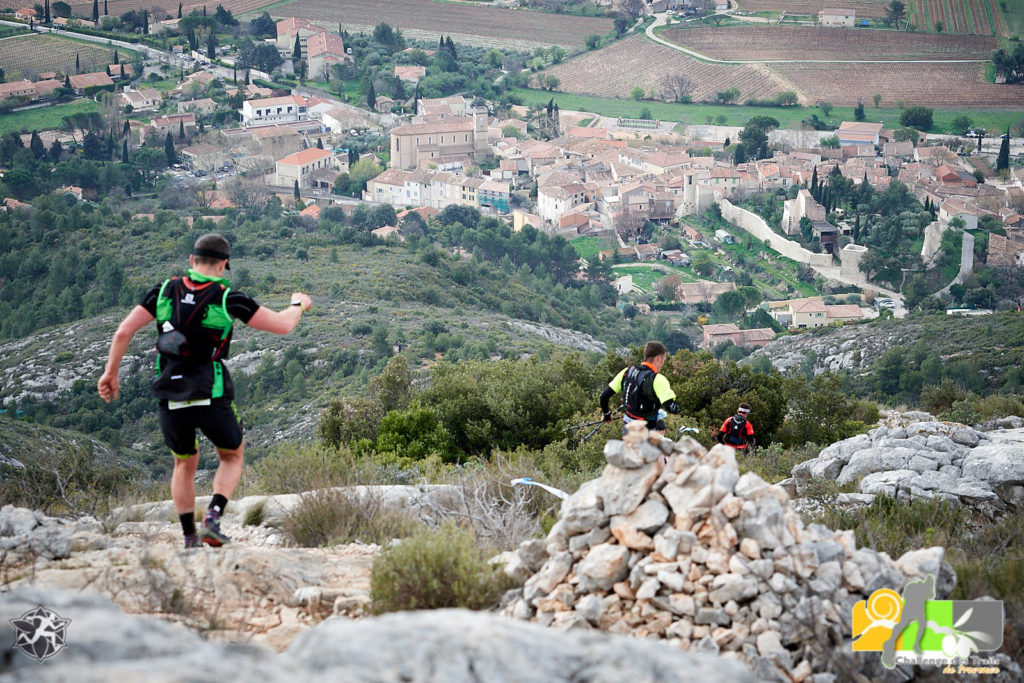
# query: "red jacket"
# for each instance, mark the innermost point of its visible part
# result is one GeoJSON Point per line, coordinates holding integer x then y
{"type": "Point", "coordinates": [746, 431]}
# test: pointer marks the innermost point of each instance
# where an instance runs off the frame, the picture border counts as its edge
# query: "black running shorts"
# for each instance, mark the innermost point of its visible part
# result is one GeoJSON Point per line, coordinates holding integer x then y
{"type": "Point", "coordinates": [218, 421]}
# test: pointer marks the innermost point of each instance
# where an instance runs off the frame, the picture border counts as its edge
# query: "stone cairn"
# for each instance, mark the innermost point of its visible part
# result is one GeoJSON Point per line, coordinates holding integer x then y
{"type": "Point", "coordinates": [690, 552]}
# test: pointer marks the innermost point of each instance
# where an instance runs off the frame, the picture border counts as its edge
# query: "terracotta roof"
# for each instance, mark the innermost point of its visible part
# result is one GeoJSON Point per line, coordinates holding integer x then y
{"type": "Point", "coordinates": [325, 43]}
{"type": "Point", "coordinates": [463, 124]}
{"type": "Point", "coordinates": [843, 311]}
{"type": "Point", "coordinates": [807, 306]}
{"type": "Point", "coordinates": [727, 328]}
{"type": "Point", "coordinates": [272, 131]}
{"type": "Point", "coordinates": [312, 210]}
{"type": "Point", "coordinates": [90, 80]}
{"type": "Point", "coordinates": [305, 156]}
{"type": "Point", "coordinates": [288, 26]}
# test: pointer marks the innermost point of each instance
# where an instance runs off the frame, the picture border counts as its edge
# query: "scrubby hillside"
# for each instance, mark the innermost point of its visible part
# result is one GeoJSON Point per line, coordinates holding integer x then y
{"type": "Point", "coordinates": [895, 360]}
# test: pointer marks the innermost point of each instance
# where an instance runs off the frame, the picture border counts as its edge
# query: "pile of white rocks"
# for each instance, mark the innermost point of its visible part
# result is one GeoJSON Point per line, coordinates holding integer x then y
{"type": "Point", "coordinates": [925, 458]}
{"type": "Point", "coordinates": [692, 553]}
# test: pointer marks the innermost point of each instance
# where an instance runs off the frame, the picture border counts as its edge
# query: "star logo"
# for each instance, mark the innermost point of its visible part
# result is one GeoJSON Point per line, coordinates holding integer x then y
{"type": "Point", "coordinates": [41, 633]}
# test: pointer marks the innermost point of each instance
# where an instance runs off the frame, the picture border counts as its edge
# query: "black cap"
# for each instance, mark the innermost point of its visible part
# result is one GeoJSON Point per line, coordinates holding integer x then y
{"type": "Point", "coordinates": [213, 245]}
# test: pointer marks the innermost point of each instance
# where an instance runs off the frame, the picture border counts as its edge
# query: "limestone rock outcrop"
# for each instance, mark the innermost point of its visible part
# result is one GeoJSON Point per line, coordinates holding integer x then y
{"type": "Point", "coordinates": [926, 459]}
{"type": "Point", "coordinates": [453, 646]}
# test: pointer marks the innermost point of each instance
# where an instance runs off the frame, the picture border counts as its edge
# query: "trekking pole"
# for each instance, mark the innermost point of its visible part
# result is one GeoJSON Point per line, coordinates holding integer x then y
{"type": "Point", "coordinates": [588, 424]}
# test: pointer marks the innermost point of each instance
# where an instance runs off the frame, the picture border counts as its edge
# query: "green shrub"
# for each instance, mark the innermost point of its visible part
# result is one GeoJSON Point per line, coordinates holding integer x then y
{"type": "Point", "coordinates": [332, 516]}
{"type": "Point", "coordinates": [435, 569]}
{"type": "Point", "coordinates": [774, 463]}
{"type": "Point", "coordinates": [292, 469]}
{"type": "Point", "coordinates": [974, 409]}
{"type": "Point", "coordinates": [255, 515]}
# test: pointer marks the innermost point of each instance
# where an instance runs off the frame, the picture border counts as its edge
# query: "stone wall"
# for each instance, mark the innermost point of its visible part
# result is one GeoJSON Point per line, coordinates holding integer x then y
{"type": "Point", "coordinates": [691, 553]}
{"type": "Point", "coordinates": [756, 226]}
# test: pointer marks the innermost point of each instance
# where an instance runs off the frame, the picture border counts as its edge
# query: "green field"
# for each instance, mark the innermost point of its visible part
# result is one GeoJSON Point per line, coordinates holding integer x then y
{"type": "Point", "coordinates": [587, 247]}
{"type": "Point", "coordinates": [1013, 15]}
{"type": "Point", "coordinates": [737, 115]}
{"type": "Point", "coordinates": [43, 118]}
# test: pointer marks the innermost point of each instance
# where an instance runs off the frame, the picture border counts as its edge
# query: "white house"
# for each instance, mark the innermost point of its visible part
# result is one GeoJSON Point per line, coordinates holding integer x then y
{"type": "Point", "coordinates": [301, 166]}
{"type": "Point", "coordinates": [287, 109]}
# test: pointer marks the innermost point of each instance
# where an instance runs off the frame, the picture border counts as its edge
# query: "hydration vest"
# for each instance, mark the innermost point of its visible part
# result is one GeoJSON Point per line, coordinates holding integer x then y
{"type": "Point", "coordinates": [193, 335]}
{"type": "Point", "coordinates": [638, 397]}
{"type": "Point", "coordinates": [736, 432]}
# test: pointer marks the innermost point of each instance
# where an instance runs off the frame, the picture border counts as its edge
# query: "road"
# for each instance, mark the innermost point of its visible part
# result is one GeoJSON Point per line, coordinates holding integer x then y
{"type": "Point", "coordinates": [966, 262]}
{"type": "Point", "coordinates": [661, 19]}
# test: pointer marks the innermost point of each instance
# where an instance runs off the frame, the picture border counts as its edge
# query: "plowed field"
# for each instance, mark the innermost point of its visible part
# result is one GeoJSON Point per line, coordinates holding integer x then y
{"type": "Point", "coordinates": [615, 70]}
{"type": "Point", "coordinates": [933, 85]}
{"type": "Point", "coordinates": [83, 8]}
{"type": "Point", "coordinates": [807, 42]}
{"type": "Point", "coordinates": [467, 23]}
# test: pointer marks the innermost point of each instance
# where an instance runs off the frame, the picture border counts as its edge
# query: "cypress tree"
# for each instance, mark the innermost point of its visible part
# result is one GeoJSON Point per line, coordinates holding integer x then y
{"type": "Point", "coordinates": [451, 48]}
{"type": "Point", "coordinates": [128, 189]}
{"type": "Point", "coordinates": [126, 128]}
{"type": "Point", "coordinates": [1003, 160]}
{"type": "Point", "coordinates": [297, 49]}
{"type": "Point", "coordinates": [211, 46]}
{"type": "Point", "coordinates": [116, 58]}
{"type": "Point", "coordinates": [67, 83]}
{"type": "Point", "coordinates": [247, 77]}
{"type": "Point", "coordinates": [739, 156]}
{"type": "Point", "coordinates": [181, 129]}
{"type": "Point", "coordinates": [169, 149]}
{"type": "Point", "coordinates": [46, 12]}
{"type": "Point", "coordinates": [106, 11]}
{"type": "Point", "coordinates": [36, 145]}
{"type": "Point", "coordinates": [234, 75]}
{"type": "Point", "coordinates": [95, 10]}
{"type": "Point", "coordinates": [856, 227]}
{"type": "Point", "coordinates": [295, 191]}
{"type": "Point", "coordinates": [145, 22]}
{"type": "Point", "coordinates": [371, 97]}
{"type": "Point", "coordinates": [319, 143]}
{"type": "Point", "coordinates": [179, 10]}
{"type": "Point", "coordinates": [204, 10]}
{"type": "Point", "coordinates": [440, 43]}
{"type": "Point", "coordinates": [814, 184]}
{"type": "Point", "coordinates": [124, 152]}
{"type": "Point", "coordinates": [78, 64]}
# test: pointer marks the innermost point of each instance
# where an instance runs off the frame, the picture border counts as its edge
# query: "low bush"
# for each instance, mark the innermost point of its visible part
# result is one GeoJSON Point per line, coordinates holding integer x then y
{"type": "Point", "coordinates": [336, 516]}
{"type": "Point", "coordinates": [774, 463]}
{"type": "Point", "coordinates": [292, 468]}
{"type": "Point", "coordinates": [436, 569]}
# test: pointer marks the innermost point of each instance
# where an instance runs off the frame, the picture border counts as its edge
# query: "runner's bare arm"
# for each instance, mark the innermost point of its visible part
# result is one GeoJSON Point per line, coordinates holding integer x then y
{"type": "Point", "coordinates": [109, 385]}
{"type": "Point", "coordinates": [280, 322]}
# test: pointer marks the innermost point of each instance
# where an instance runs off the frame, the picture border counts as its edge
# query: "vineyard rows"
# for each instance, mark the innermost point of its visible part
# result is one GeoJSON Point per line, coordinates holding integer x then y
{"type": "Point", "coordinates": [30, 55]}
{"type": "Point", "coordinates": [864, 8]}
{"type": "Point", "coordinates": [169, 8]}
{"type": "Point", "coordinates": [615, 70]}
{"type": "Point", "coordinates": [933, 85]}
{"type": "Point", "coordinates": [799, 42]}
{"type": "Point", "coordinates": [959, 16]}
{"type": "Point", "coordinates": [496, 26]}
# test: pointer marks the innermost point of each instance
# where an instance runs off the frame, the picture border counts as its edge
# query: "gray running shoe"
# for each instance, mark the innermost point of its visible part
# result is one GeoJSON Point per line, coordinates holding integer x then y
{"type": "Point", "coordinates": [210, 531]}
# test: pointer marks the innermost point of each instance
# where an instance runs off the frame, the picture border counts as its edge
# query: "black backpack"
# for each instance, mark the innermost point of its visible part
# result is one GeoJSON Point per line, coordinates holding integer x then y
{"type": "Point", "coordinates": [736, 433]}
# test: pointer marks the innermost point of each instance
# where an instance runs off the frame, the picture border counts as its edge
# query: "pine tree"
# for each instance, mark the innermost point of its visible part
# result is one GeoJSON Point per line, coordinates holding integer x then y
{"type": "Point", "coordinates": [169, 149]}
{"type": "Point", "coordinates": [124, 152]}
{"type": "Point", "coordinates": [371, 97]}
{"type": "Point", "coordinates": [116, 58]}
{"type": "Point", "coordinates": [179, 10]}
{"type": "Point", "coordinates": [1003, 160]}
{"type": "Point", "coordinates": [295, 191]}
{"type": "Point", "coordinates": [95, 10]}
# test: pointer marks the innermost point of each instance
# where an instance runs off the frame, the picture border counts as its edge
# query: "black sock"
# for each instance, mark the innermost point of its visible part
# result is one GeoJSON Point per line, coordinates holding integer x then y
{"type": "Point", "coordinates": [218, 503]}
{"type": "Point", "coordinates": [188, 523]}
